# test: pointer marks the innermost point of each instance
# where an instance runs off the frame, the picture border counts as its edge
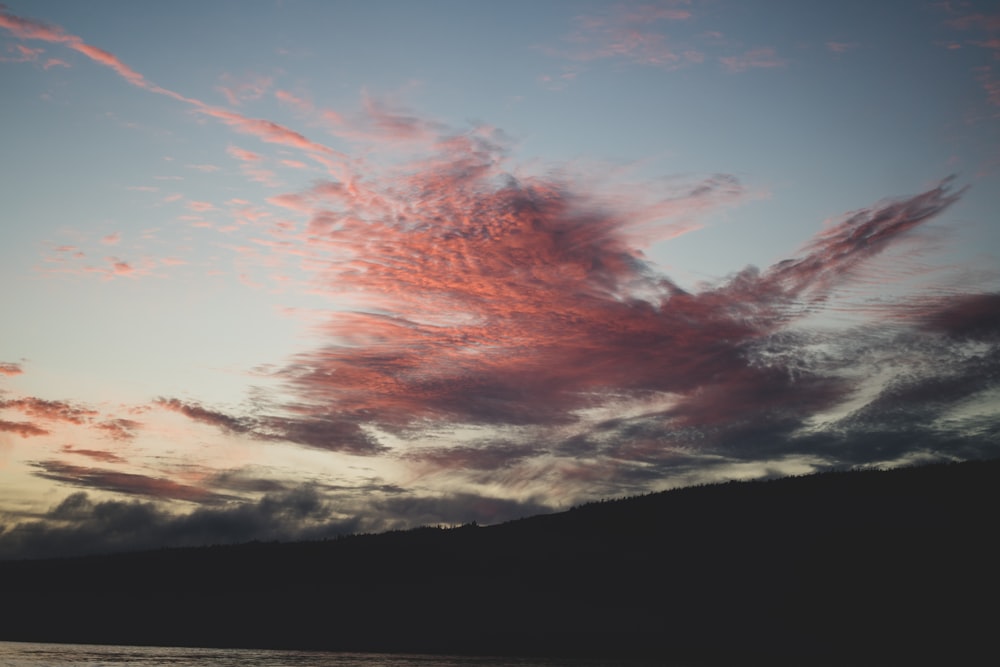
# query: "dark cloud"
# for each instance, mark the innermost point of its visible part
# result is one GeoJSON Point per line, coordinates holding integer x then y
{"type": "Point", "coordinates": [123, 482]}
{"type": "Point", "coordinates": [79, 525]}
{"type": "Point", "coordinates": [97, 454]}
{"type": "Point", "coordinates": [201, 414]}
{"type": "Point", "coordinates": [333, 432]}
{"type": "Point", "coordinates": [965, 317]}
{"type": "Point", "coordinates": [486, 456]}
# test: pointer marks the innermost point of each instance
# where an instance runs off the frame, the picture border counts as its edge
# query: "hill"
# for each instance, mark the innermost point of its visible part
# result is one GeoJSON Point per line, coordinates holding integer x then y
{"type": "Point", "coordinates": [860, 567]}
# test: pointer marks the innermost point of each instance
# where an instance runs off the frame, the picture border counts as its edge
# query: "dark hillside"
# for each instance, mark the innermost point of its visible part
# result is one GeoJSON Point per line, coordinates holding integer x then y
{"type": "Point", "coordinates": [880, 567]}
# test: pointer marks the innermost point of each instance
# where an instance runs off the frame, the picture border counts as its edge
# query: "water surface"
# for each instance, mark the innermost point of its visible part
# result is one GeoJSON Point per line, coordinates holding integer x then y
{"type": "Point", "coordinates": [26, 654]}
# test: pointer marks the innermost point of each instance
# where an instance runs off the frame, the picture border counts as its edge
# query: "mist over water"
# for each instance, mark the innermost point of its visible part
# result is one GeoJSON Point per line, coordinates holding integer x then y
{"type": "Point", "coordinates": [27, 654]}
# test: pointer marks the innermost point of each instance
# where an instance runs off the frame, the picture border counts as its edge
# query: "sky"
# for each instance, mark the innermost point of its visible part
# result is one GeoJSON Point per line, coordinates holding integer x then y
{"type": "Point", "coordinates": [291, 269]}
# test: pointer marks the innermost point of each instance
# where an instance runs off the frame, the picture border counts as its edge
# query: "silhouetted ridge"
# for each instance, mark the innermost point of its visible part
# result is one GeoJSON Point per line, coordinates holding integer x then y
{"type": "Point", "coordinates": [886, 567]}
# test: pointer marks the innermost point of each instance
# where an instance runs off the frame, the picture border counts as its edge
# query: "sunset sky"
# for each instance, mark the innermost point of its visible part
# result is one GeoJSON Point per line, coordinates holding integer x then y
{"type": "Point", "coordinates": [288, 269]}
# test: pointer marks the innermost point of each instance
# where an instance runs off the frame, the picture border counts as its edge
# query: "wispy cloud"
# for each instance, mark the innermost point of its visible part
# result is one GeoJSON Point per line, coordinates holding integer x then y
{"type": "Point", "coordinates": [200, 206]}
{"type": "Point", "coordinates": [118, 428]}
{"type": "Point", "coordinates": [19, 53]}
{"type": "Point", "coordinates": [265, 130]}
{"type": "Point", "coordinates": [98, 454]}
{"type": "Point", "coordinates": [984, 33]}
{"type": "Point", "coordinates": [841, 47]}
{"type": "Point", "coordinates": [631, 33]}
{"type": "Point", "coordinates": [757, 58]}
{"type": "Point", "coordinates": [205, 416]}
{"type": "Point", "coordinates": [123, 482]}
{"type": "Point", "coordinates": [9, 368]}
{"type": "Point", "coordinates": [239, 89]}
{"type": "Point", "coordinates": [243, 155]}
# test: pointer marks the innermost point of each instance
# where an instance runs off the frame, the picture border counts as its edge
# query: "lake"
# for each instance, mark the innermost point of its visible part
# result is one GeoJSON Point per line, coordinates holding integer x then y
{"type": "Point", "coordinates": [26, 654]}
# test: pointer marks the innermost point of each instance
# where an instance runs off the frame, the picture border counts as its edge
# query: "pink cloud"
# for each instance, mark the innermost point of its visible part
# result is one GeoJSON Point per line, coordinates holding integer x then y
{"type": "Point", "coordinates": [109, 60]}
{"type": "Point", "coordinates": [295, 202]}
{"type": "Point", "coordinates": [300, 103]}
{"type": "Point", "coordinates": [764, 57]}
{"type": "Point", "coordinates": [120, 267]}
{"type": "Point", "coordinates": [243, 155]}
{"type": "Point", "coordinates": [9, 369]}
{"type": "Point", "coordinates": [22, 54]}
{"type": "Point", "coordinates": [206, 168]}
{"type": "Point", "coordinates": [200, 206]}
{"type": "Point", "coordinates": [265, 130]}
{"type": "Point", "coordinates": [489, 299]}
{"type": "Point", "coordinates": [391, 124]}
{"type": "Point", "coordinates": [263, 176]}
{"type": "Point", "coordinates": [628, 33]}
{"type": "Point", "coordinates": [112, 239]}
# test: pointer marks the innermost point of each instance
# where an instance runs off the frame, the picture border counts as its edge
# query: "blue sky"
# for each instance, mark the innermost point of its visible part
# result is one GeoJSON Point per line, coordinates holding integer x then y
{"type": "Point", "coordinates": [444, 261]}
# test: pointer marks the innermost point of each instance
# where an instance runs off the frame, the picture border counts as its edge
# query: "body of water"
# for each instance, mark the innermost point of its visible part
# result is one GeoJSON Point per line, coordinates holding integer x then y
{"type": "Point", "coordinates": [28, 654]}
